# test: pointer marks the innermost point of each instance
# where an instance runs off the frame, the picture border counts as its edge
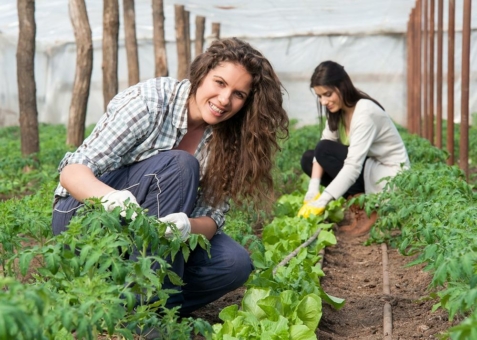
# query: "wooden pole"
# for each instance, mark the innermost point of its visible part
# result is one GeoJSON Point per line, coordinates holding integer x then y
{"type": "Point", "coordinates": [25, 57]}
{"type": "Point", "coordinates": [199, 34]}
{"type": "Point", "coordinates": [430, 116]}
{"type": "Point", "coordinates": [439, 52]}
{"type": "Point", "coordinates": [426, 69]}
{"type": "Point", "coordinates": [187, 38]}
{"type": "Point", "coordinates": [182, 65]}
{"type": "Point", "coordinates": [413, 76]}
{"type": "Point", "coordinates": [418, 70]}
{"type": "Point", "coordinates": [450, 82]}
{"type": "Point", "coordinates": [409, 72]}
{"type": "Point", "coordinates": [110, 50]}
{"type": "Point", "coordinates": [465, 78]}
{"type": "Point", "coordinates": [215, 30]}
{"type": "Point", "coordinates": [161, 69]}
{"type": "Point", "coordinates": [131, 41]}
{"type": "Point", "coordinates": [84, 69]}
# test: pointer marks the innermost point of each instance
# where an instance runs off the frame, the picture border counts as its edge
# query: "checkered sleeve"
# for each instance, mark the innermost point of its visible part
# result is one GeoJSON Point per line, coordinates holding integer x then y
{"type": "Point", "coordinates": [123, 125]}
{"type": "Point", "coordinates": [217, 214]}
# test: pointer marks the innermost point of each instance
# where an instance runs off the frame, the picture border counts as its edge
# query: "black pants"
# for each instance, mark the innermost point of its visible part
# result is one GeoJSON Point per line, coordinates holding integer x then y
{"type": "Point", "coordinates": [331, 156]}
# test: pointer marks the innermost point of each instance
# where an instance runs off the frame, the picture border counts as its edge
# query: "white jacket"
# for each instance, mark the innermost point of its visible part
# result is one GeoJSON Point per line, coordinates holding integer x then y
{"type": "Point", "coordinates": [372, 134]}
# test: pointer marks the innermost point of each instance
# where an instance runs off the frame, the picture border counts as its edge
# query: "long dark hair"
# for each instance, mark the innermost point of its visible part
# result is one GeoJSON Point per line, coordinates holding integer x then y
{"type": "Point", "coordinates": [242, 148]}
{"type": "Point", "coordinates": [333, 75]}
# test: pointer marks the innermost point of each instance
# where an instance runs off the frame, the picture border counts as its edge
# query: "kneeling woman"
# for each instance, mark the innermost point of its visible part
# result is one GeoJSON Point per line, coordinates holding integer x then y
{"type": "Point", "coordinates": [359, 145]}
{"type": "Point", "coordinates": [162, 139]}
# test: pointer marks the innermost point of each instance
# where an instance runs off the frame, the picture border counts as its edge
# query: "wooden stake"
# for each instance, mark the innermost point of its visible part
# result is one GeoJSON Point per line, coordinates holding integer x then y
{"type": "Point", "coordinates": [84, 69]}
{"type": "Point", "coordinates": [30, 140]}
{"type": "Point", "coordinates": [110, 50]}
{"type": "Point", "coordinates": [215, 30]}
{"type": "Point", "coordinates": [161, 69]}
{"type": "Point", "coordinates": [199, 34]}
{"type": "Point", "coordinates": [182, 66]}
{"type": "Point", "coordinates": [131, 41]}
{"type": "Point", "coordinates": [187, 38]}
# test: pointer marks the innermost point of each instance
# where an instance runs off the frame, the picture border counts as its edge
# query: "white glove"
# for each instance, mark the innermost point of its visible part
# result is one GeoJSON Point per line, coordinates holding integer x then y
{"type": "Point", "coordinates": [321, 202]}
{"type": "Point", "coordinates": [117, 198]}
{"type": "Point", "coordinates": [181, 221]}
{"type": "Point", "coordinates": [313, 189]}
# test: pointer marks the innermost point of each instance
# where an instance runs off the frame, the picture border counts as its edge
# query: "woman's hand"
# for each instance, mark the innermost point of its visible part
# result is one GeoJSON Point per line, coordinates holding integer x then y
{"type": "Point", "coordinates": [118, 198]}
{"type": "Point", "coordinates": [182, 223]}
{"type": "Point", "coordinates": [321, 202]}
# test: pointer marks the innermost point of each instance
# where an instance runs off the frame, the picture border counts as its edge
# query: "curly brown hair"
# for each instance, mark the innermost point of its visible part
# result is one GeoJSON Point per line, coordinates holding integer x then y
{"type": "Point", "coordinates": [242, 148]}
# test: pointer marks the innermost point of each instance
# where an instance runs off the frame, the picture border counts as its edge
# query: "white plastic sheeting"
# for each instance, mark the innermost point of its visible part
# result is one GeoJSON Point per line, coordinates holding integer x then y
{"type": "Point", "coordinates": [366, 36]}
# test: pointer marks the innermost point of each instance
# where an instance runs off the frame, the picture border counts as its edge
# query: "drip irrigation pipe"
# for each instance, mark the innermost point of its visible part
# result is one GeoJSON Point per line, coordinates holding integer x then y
{"type": "Point", "coordinates": [295, 252]}
{"type": "Point", "coordinates": [387, 312]}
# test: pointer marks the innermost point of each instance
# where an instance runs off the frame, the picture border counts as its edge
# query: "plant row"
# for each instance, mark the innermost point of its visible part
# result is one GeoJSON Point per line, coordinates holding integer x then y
{"type": "Point", "coordinates": [284, 301]}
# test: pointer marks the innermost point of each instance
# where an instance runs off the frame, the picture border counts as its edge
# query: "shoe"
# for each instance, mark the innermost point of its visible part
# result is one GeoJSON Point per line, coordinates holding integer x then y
{"type": "Point", "coordinates": [356, 221]}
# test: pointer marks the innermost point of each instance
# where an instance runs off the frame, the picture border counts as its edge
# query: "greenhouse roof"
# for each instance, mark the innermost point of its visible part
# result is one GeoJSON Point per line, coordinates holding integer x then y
{"type": "Point", "coordinates": [245, 18]}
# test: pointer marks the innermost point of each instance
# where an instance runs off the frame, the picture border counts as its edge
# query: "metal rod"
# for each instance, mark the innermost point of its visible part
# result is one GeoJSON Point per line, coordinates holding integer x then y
{"type": "Point", "coordinates": [409, 72]}
{"type": "Point", "coordinates": [440, 16]}
{"type": "Point", "coordinates": [430, 113]}
{"type": "Point", "coordinates": [464, 112]}
{"type": "Point", "coordinates": [425, 41]}
{"type": "Point", "coordinates": [450, 82]}
{"type": "Point", "coordinates": [418, 70]}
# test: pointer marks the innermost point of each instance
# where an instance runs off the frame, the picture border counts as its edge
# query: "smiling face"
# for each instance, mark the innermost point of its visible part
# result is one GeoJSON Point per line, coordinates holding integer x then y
{"type": "Point", "coordinates": [221, 94]}
{"type": "Point", "coordinates": [329, 97]}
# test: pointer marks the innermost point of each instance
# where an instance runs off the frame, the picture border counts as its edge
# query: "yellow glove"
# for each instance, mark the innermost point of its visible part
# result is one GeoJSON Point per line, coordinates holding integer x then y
{"type": "Point", "coordinates": [313, 199]}
{"type": "Point", "coordinates": [307, 210]}
{"type": "Point", "coordinates": [316, 206]}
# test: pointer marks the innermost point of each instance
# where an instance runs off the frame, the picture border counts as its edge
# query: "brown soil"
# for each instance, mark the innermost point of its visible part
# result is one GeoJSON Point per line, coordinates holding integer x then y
{"type": "Point", "coordinates": [355, 272]}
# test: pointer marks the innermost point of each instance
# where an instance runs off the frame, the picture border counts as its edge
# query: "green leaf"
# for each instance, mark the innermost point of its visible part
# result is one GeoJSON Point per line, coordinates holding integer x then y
{"type": "Point", "coordinates": [336, 302]}
{"type": "Point", "coordinates": [271, 306]}
{"type": "Point", "coordinates": [327, 238]}
{"type": "Point", "coordinates": [228, 313]}
{"type": "Point", "coordinates": [25, 260]}
{"type": "Point", "coordinates": [250, 301]}
{"type": "Point", "coordinates": [309, 311]}
{"type": "Point", "coordinates": [301, 332]}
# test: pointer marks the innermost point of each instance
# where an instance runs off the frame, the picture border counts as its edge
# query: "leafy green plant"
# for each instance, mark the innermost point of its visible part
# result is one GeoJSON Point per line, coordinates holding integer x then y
{"type": "Point", "coordinates": [103, 276]}
{"type": "Point", "coordinates": [283, 301]}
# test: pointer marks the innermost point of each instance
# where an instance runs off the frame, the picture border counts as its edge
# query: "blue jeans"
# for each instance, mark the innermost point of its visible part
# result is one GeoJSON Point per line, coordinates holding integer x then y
{"type": "Point", "coordinates": [167, 183]}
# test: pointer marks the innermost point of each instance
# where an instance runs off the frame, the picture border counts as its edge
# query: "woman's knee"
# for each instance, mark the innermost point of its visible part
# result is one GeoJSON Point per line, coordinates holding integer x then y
{"type": "Point", "coordinates": [168, 183]}
{"type": "Point", "coordinates": [181, 164]}
{"type": "Point", "coordinates": [240, 266]}
{"type": "Point", "coordinates": [323, 148]}
{"type": "Point", "coordinates": [307, 162]}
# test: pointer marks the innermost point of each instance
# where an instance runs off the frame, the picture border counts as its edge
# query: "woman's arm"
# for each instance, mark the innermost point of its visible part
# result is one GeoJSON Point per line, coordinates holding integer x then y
{"type": "Point", "coordinates": [203, 225]}
{"type": "Point", "coordinates": [81, 183]}
{"type": "Point", "coordinates": [316, 170]}
{"type": "Point", "coordinates": [314, 183]}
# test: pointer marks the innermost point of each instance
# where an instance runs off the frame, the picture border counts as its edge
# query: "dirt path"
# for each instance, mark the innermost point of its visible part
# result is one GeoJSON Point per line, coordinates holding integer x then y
{"type": "Point", "coordinates": [354, 272]}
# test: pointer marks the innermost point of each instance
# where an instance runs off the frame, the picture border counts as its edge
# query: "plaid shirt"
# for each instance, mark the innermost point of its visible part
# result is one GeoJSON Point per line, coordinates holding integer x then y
{"type": "Point", "coordinates": [140, 122]}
